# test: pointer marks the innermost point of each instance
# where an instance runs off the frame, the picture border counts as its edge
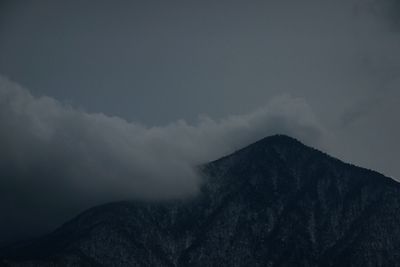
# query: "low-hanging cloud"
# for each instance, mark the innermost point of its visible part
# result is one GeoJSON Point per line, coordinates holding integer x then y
{"type": "Point", "coordinates": [57, 160]}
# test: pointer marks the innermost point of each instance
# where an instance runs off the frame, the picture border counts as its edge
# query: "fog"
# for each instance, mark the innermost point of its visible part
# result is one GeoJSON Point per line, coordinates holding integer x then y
{"type": "Point", "coordinates": [57, 160]}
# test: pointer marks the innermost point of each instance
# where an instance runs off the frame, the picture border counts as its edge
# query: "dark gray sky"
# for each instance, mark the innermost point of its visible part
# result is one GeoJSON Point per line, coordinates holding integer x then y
{"type": "Point", "coordinates": [158, 61]}
{"type": "Point", "coordinates": [324, 71]}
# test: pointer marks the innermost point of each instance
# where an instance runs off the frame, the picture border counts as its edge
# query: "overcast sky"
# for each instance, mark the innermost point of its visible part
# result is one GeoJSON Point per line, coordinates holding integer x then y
{"type": "Point", "coordinates": [324, 71]}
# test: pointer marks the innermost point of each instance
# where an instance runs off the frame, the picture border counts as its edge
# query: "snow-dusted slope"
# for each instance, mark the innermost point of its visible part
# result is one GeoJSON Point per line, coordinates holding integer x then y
{"type": "Point", "coordinates": [276, 202]}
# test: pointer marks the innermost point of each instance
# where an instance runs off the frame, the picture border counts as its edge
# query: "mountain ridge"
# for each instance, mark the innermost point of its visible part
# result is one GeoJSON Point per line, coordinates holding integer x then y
{"type": "Point", "coordinates": [276, 202]}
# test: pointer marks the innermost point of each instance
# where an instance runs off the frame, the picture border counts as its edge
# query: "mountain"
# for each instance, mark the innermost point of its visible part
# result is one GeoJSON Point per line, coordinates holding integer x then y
{"type": "Point", "coordinates": [276, 202]}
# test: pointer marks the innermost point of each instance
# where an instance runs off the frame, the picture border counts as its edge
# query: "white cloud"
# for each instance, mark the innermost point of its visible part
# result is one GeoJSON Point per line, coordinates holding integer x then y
{"type": "Point", "coordinates": [57, 160]}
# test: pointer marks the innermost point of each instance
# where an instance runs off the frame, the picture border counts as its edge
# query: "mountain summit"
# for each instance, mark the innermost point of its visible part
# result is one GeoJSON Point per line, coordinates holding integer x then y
{"type": "Point", "coordinates": [276, 202]}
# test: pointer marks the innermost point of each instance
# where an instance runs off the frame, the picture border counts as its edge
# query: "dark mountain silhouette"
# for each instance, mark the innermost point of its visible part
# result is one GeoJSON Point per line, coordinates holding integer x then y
{"type": "Point", "coordinates": [276, 202]}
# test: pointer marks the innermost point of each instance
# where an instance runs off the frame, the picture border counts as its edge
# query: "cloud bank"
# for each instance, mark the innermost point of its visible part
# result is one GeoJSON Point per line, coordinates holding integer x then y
{"type": "Point", "coordinates": [52, 151]}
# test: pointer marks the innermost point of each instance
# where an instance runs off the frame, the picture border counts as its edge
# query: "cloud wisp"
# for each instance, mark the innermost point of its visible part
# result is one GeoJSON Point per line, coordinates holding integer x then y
{"type": "Point", "coordinates": [57, 160]}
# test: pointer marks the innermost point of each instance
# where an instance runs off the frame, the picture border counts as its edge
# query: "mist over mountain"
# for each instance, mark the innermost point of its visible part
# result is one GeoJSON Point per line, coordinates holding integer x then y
{"type": "Point", "coordinates": [276, 202]}
{"type": "Point", "coordinates": [106, 101]}
{"type": "Point", "coordinates": [128, 133]}
{"type": "Point", "coordinates": [57, 160]}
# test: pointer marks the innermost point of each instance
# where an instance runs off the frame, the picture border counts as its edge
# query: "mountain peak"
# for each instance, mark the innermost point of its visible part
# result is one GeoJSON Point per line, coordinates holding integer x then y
{"type": "Point", "coordinates": [278, 139]}
{"type": "Point", "coordinates": [275, 202]}
{"type": "Point", "coordinates": [278, 145]}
